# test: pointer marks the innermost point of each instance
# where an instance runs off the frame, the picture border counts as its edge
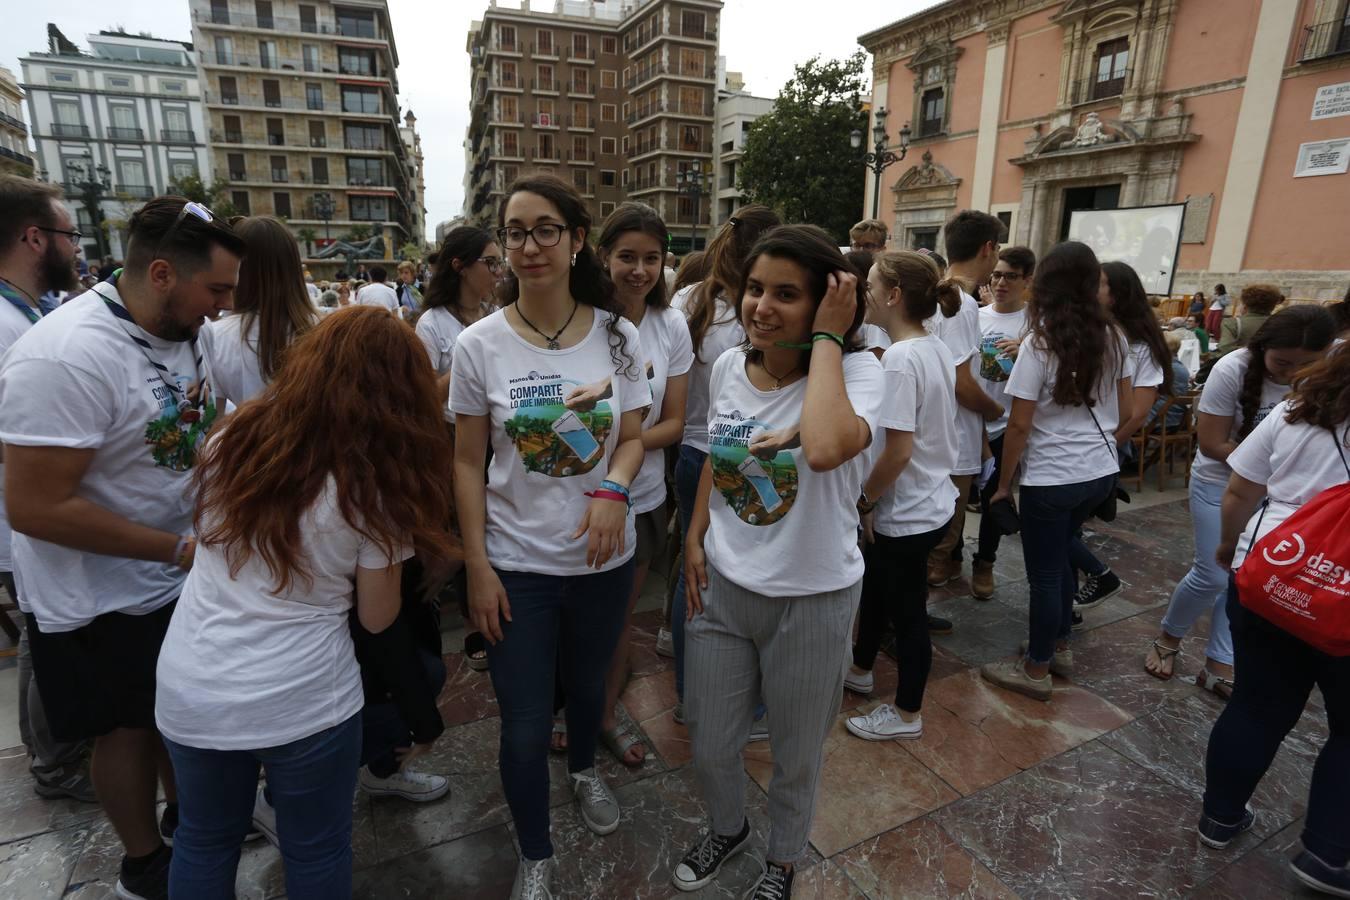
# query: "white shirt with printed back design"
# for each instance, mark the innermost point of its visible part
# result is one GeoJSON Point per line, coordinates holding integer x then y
{"type": "Point", "coordinates": [546, 456]}
{"type": "Point", "coordinates": [777, 527]}
{"type": "Point", "coordinates": [77, 380]}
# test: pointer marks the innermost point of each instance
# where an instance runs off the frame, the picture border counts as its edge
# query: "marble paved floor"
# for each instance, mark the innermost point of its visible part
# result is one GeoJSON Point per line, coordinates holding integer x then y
{"type": "Point", "coordinates": [1092, 795]}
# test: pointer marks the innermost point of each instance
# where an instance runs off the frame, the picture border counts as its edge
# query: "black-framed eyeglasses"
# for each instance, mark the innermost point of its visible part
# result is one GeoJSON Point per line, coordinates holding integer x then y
{"type": "Point", "coordinates": [1005, 276]}
{"type": "Point", "coordinates": [191, 208]}
{"type": "Point", "coordinates": [545, 234]}
{"type": "Point", "coordinates": [73, 235]}
{"type": "Point", "coordinates": [494, 263]}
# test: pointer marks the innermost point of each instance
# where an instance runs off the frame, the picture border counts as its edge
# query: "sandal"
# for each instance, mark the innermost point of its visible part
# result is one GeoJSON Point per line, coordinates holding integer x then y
{"type": "Point", "coordinates": [1165, 653]}
{"type": "Point", "coordinates": [558, 740]}
{"type": "Point", "coordinates": [619, 742]}
{"type": "Point", "coordinates": [1216, 683]}
{"type": "Point", "coordinates": [475, 651]}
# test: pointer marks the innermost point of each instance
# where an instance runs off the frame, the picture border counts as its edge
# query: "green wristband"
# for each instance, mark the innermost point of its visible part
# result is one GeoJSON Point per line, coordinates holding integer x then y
{"type": "Point", "coordinates": [828, 335]}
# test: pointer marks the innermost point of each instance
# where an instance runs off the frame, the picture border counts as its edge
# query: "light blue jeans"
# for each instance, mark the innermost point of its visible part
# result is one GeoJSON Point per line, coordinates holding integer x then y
{"type": "Point", "coordinates": [1205, 587]}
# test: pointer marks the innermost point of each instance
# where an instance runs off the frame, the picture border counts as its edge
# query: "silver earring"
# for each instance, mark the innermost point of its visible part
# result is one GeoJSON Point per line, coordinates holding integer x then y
{"type": "Point", "coordinates": [574, 259]}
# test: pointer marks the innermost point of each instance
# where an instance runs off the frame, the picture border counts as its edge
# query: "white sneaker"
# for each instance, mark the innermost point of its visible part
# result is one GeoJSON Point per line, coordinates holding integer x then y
{"type": "Point", "coordinates": [885, 724]}
{"type": "Point", "coordinates": [665, 644]}
{"type": "Point", "coordinates": [534, 880]}
{"type": "Point", "coordinates": [415, 786]}
{"type": "Point", "coordinates": [859, 684]}
{"type": "Point", "coordinates": [598, 805]}
{"type": "Point", "coordinates": [265, 817]}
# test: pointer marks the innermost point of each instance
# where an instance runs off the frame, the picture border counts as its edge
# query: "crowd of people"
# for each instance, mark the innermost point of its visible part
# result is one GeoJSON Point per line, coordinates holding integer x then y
{"type": "Point", "coordinates": [229, 568]}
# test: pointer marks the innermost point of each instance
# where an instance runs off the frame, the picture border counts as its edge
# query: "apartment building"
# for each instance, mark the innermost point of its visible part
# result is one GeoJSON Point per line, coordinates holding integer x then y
{"type": "Point", "coordinates": [15, 158]}
{"type": "Point", "coordinates": [618, 100]}
{"type": "Point", "coordinates": [737, 109]}
{"type": "Point", "coordinates": [125, 115]}
{"type": "Point", "coordinates": [302, 115]}
{"type": "Point", "coordinates": [417, 182]}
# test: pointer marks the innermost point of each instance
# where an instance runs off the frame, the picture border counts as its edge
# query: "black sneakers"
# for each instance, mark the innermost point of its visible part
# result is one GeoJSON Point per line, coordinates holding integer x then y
{"type": "Point", "coordinates": [147, 880]}
{"type": "Point", "coordinates": [1319, 876]}
{"type": "Point", "coordinates": [1218, 835]}
{"type": "Point", "coordinates": [168, 826]}
{"type": "Point", "coordinates": [774, 884]}
{"type": "Point", "coordinates": [703, 861]}
{"type": "Point", "coordinates": [939, 625]}
{"type": "Point", "coordinates": [1096, 590]}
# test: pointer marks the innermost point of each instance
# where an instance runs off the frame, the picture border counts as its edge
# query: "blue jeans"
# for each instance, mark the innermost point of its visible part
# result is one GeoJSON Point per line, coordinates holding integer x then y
{"type": "Point", "coordinates": [580, 617]}
{"type": "Point", "coordinates": [687, 471]}
{"type": "Point", "coordinates": [1082, 559]}
{"type": "Point", "coordinates": [1205, 586]}
{"type": "Point", "coordinates": [1050, 516]}
{"type": "Point", "coordinates": [311, 781]}
{"type": "Point", "coordinates": [383, 729]}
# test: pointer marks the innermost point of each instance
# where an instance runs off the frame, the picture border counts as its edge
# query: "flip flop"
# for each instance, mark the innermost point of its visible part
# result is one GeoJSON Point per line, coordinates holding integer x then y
{"type": "Point", "coordinates": [1216, 683]}
{"type": "Point", "coordinates": [618, 742]}
{"type": "Point", "coordinates": [1164, 654]}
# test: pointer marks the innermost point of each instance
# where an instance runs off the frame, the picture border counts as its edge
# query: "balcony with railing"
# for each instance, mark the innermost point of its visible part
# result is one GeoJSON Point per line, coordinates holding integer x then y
{"type": "Point", "coordinates": [7, 119]}
{"type": "Point", "coordinates": [580, 54]}
{"type": "Point", "coordinates": [1094, 87]}
{"type": "Point", "coordinates": [580, 123]}
{"type": "Point", "coordinates": [582, 91]}
{"type": "Point", "coordinates": [177, 136]}
{"type": "Point", "coordinates": [271, 63]}
{"type": "Point", "coordinates": [501, 118]}
{"type": "Point", "coordinates": [71, 131]}
{"type": "Point", "coordinates": [506, 82]}
{"type": "Point", "coordinates": [125, 134]}
{"type": "Point", "coordinates": [505, 48]}
{"type": "Point", "coordinates": [15, 155]}
{"type": "Point", "coordinates": [549, 52]}
{"type": "Point", "coordinates": [585, 158]}
{"type": "Point", "coordinates": [545, 155]}
{"type": "Point", "coordinates": [545, 120]}
{"type": "Point", "coordinates": [366, 143]}
{"type": "Point", "coordinates": [544, 87]}
{"type": "Point", "coordinates": [640, 76]}
{"type": "Point", "coordinates": [361, 29]}
{"type": "Point", "coordinates": [1325, 40]}
{"type": "Point", "coordinates": [644, 34]}
{"type": "Point", "coordinates": [135, 191]}
{"type": "Point", "coordinates": [299, 104]}
{"type": "Point", "coordinates": [688, 110]}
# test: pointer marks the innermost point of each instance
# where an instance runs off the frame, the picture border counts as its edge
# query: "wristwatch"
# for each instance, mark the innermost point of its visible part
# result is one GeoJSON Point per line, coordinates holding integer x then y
{"type": "Point", "coordinates": [865, 505]}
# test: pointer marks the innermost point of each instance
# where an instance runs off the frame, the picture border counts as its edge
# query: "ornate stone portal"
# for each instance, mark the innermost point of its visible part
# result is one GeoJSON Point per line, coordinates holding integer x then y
{"type": "Point", "coordinates": [924, 197]}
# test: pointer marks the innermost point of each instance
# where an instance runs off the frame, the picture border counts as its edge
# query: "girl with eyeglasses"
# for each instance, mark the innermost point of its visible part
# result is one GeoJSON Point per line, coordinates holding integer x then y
{"type": "Point", "coordinates": [553, 383]}
{"type": "Point", "coordinates": [460, 294]}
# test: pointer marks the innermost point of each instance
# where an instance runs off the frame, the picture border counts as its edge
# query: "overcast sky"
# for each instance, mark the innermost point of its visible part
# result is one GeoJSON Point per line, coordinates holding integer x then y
{"type": "Point", "coordinates": [763, 39]}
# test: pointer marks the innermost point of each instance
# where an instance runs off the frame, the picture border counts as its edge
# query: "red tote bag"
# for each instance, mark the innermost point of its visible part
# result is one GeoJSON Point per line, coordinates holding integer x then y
{"type": "Point", "coordinates": [1298, 575]}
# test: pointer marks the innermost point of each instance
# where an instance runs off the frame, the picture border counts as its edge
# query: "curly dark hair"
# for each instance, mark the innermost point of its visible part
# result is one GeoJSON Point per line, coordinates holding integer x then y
{"type": "Point", "coordinates": [588, 283]}
{"type": "Point", "coordinates": [1306, 326]}
{"type": "Point", "coordinates": [1069, 322]}
{"type": "Point", "coordinates": [1319, 396]}
{"type": "Point", "coordinates": [1132, 312]}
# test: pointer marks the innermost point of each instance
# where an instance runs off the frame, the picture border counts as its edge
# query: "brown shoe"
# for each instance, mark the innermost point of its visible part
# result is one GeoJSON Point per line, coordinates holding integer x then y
{"type": "Point", "coordinates": [943, 572]}
{"type": "Point", "coordinates": [982, 580]}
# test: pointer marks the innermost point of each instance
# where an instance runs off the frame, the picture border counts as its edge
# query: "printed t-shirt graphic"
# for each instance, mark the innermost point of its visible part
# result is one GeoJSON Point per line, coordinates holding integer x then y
{"type": "Point", "coordinates": [759, 488]}
{"type": "Point", "coordinates": [995, 364]}
{"type": "Point", "coordinates": [551, 438]}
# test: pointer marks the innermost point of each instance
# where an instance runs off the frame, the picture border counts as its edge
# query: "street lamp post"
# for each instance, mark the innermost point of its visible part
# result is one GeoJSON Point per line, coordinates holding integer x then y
{"type": "Point", "coordinates": [91, 183]}
{"type": "Point", "coordinates": [323, 209]}
{"type": "Point", "coordinates": [881, 157]}
{"type": "Point", "coordinates": [690, 183]}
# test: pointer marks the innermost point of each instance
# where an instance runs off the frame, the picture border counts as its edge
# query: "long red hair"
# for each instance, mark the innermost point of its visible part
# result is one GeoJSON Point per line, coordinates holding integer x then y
{"type": "Point", "coordinates": [355, 400]}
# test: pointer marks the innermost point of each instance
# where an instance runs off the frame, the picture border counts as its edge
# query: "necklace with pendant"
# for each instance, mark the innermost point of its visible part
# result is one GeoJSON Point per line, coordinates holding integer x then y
{"type": "Point", "coordinates": [777, 379]}
{"type": "Point", "coordinates": [552, 340]}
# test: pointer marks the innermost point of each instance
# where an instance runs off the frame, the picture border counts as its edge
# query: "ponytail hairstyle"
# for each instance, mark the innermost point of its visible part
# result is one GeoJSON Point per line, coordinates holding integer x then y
{"type": "Point", "coordinates": [271, 290]}
{"type": "Point", "coordinates": [860, 261]}
{"type": "Point", "coordinates": [1305, 326]}
{"type": "Point", "coordinates": [631, 216]}
{"type": "Point", "coordinates": [1132, 311]}
{"type": "Point", "coordinates": [923, 287]}
{"type": "Point", "coordinates": [725, 259]}
{"type": "Point", "coordinates": [588, 282]}
{"type": "Point", "coordinates": [1068, 321]}
{"type": "Point", "coordinates": [465, 244]}
{"type": "Point", "coordinates": [815, 251]}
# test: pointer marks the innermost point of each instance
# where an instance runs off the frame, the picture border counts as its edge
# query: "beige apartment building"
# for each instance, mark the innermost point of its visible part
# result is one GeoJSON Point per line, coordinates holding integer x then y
{"type": "Point", "coordinates": [15, 157]}
{"type": "Point", "coordinates": [302, 116]}
{"type": "Point", "coordinates": [619, 100]}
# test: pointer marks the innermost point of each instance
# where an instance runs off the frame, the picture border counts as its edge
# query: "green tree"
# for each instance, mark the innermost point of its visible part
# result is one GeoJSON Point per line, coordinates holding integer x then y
{"type": "Point", "coordinates": [307, 236]}
{"type": "Point", "coordinates": [798, 158]}
{"type": "Point", "coordinates": [359, 233]}
{"type": "Point", "coordinates": [411, 251]}
{"type": "Point", "coordinates": [213, 198]}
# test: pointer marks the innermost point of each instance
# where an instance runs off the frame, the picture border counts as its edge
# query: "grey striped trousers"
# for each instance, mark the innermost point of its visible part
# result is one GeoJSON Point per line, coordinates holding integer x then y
{"type": "Point", "coordinates": [789, 651]}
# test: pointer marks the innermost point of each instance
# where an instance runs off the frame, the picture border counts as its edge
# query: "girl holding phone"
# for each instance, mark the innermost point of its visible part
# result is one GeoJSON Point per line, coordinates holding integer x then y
{"type": "Point", "coordinates": [772, 565]}
{"type": "Point", "coordinates": [553, 381]}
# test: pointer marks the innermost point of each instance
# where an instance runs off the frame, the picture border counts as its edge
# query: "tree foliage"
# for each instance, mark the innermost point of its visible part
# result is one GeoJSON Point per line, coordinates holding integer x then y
{"type": "Point", "coordinates": [798, 158]}
{"type": "Point", "coordinates": [214, 198]}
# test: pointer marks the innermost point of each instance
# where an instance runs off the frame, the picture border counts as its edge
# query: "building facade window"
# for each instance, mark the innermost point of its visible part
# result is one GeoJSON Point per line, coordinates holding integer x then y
{"type": "Point", "coordinates": [234, 164]}
{"type": "Point", "coordinates": [364, 137]}
{"type": "Point", "coordinates": [360, 99]}
{"type": "Point", "coordinates": [311, 57]}
{"type": "Point", "coordinates": [365, 171]}
{"type": "Point", "coordinates": [581, 115]}
{"type": "Point", "coordinates": [506, 37]}
{"type": "Point", "coordinates": [356, 23]}
{"type": "Point", "coordinates": [281, 204]}
{"type": "Point", "coordinates": [609, 79]}
{"type": "Point", "coordinates": [63, 77]}
{"type": "Point", "coordinates": [934, 69]}
{"type": "Point", "coordinates": [934, 112]}
{"type": "Point", "coordinates": [608, 146]}
{"type": "Point", "coordinates": [267, 55]}
{"type": "Point", "coordinates": [271, 94]}
{"type": "Point", "coordinates": [369, 209]}
{"type": "Point", "coordinates": [356, 62]}
{"type": "Point", "coordinates": [607, 178]}
{"type": "Point", "coordinates": [239, 200]}
{"type": "Point", "coordinates": [510, 144]}
{"type": "Point", "coordinates": [543, 43]}
{"type": "Point", "coordinates": [606, 207]}
{"type": "Point", "coordinates": [313, 96]}
{"type": "Point", "coordinates": [279, 171]}
{"type": "Point", "coordinates": [318, 167]}
{"type": "Point", "coordinates": [609, 44]}
{"type": "Point", "coordinates": [117, 82]}
{"type": "Point", "coordinates": [1113, 60]}
{"type": "Point", "coordinates": [318, 134]}
{"type": "Point", "coordinates": [691, 138]}
{"type": "Point", "coordinates": [309, 22]}
{"type": "Point", "coordinates": [607, 112]}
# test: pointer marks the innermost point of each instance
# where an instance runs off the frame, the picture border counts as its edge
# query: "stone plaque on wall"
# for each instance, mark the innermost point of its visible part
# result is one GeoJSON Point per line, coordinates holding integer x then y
{"type": "Point", "coordinates": [1195, 224]}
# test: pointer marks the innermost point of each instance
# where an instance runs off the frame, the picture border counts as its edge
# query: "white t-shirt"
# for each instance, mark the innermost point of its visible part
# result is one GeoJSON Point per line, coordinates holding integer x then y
{"type": "Point", "coordinates": [666, 353]}
{"type": "Point", "coordinates": [1065, 445]}
{"type": "Point", "coordinates": [777, 527]}
{"type": "Point", "coordinates": [995, 364]}
{"type": "Point", "coordinates": [76, 379]}
{"type": "Point", "coordinates": [919, 396]}
{"type": "Point", "coordinates": [545, 456]}
{"type": "Point", "coordinates": [961, 334]}
{"type": "Point", "coordinates": [1142, 368]}
{"type": "Point", "coordinates": [438, 330]}
{"type": "Point", "coordinates": [723, 333]}
{"type": "Point", "coordinates": [1295, 462]}
{"type": "Point", "coordinates": [13, 325]}
{"type": "Point", "coordinates": [874, 337]}
{"type": "Point", "coordinates": [231, 357]}
{"type": "Point", "coordinates": [377, 293]}
{"type": "Point", "coordinates": [1222, 396]}
{"type": "Point", "coordinates": [242, 667]}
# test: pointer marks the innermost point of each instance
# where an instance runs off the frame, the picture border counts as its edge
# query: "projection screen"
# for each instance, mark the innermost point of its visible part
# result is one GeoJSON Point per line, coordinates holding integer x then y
{"type": "Point", "coordinates": [1146, 237]}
